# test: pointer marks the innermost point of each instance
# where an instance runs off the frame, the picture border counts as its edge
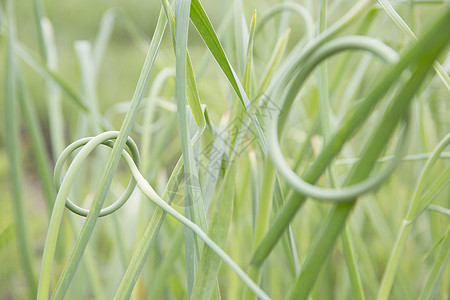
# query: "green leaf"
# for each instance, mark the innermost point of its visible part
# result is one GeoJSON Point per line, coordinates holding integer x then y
{"type": "Point", "coordinates": [209, 36]}
{"type": "Point", "coordinates": [45, 72]}
{"type": "Point", "coordinates": [193, 96]}
{"type": "Point", "coordinates": [274, 61]}
{"type": "Point", "coordinates": [390, 10]}
{"type": "Point", "coordinates": [13, 151]}
{"type": "Point", "coordinates": [248, 66]}
{"type": "Point", "coordinates": [240, 34]}
{"type": "Point", "coordinates": [157, 286]}
{"type": "Point", "coordinates": [439, 265]}
{"type": "Point", "coordinates": [218, 231]}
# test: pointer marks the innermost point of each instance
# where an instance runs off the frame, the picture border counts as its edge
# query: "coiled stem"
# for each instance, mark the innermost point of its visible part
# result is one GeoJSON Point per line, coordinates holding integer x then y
{"type": "Point", "coordinates": [88, 145]}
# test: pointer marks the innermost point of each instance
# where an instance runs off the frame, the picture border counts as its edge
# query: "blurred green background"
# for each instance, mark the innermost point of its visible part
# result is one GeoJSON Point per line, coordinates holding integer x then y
{"type": "Point", "coordinates": [79, 20]}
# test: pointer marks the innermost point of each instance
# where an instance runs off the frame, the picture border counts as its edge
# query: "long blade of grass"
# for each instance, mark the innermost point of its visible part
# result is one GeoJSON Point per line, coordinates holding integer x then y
{"type": "Point", "coordinates": [218, 230]}
{"type": "Point", "coordinates": [11, 119]}
{"type": "Point", "coordinates": [240, 35]}
{"type": "Point", "coordinates": [53, 91]}
{"type": "Point", "coordinates": [158, 284]}
{"type": "Point", "coordinates": [40, 14]}
{"type": "Point", "coordinates": [192, 186]}
{"type": "Point", "coordinates": [45, 72]}
{"type": "Point", "coordinates": [398, 20]}
{"type": "Point", "coordinates": [203, 25]}
{"type": "Point", "coordinates": [352, 265]}
{"type": "Point", "coordinates": [249, 55]}
{"type": "Point", "coordinates": [88, 81]}
{"type": "Point", "coordinates": [216, 156]}
{"type": "Point", "coordinates": [38, 143]}
{"type": "Point", "coordinates": [193, 97]}
{"type": "Point", "coordinates": [274, 61]}
{"type": "Point", "coordinates": [439, 209]}
{"type": "Point", "coordinates": [439, 265]}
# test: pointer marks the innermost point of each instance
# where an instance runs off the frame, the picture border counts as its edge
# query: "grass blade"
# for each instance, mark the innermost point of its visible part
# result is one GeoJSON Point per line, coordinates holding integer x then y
{"type": "Point", "coordinates": [45, 72]}
{"type": "Point", "coordinates": [193, 97]}
{"type": "Point", "coordinates": [38, 144]}
{"type": "Point", "coordinates": [274, 61]}
{"type": "Point", "coordinates": [241, 34]}
{"type": "Point", "coordinates": [209, 36]}
{"type": "Point", "coordinates": [352, 266]}
{"type": "Point", "coordinates": [11, 119]}
{"type": "Point", "coordinates": [218, 230]}
{"type": "Point", "coordinates": [190, 170]}
{"type": "Point", "coordinates": [438, 268]}
{"type": "Point", "coordinates": [390, 10]}
{"type": "Point", "coordinates": [157, 286]}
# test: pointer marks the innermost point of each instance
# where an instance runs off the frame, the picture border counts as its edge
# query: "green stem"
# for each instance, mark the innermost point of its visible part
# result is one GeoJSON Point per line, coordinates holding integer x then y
{"type": "Point", "coordinates": [11, 118]}
{"type": "Point", "coordinates": [416, 207]}
{"type": "Point", "coordinates": [80, 246]}
{"type": "Point", "coordinates": [438, 268]}
{"type": "Point", "coordinates": [390, 10]}
{"type": "Point", "coordinates": [433, 42]}
{"type": "Point", "coordinates": [389, 274]}
{"type": "Point", "coordinates": [313, 172]}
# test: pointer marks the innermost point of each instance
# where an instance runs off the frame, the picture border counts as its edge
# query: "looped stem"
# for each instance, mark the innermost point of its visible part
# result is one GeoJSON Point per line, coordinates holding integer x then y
{"type": "Point", "coordinates": [343, 194]}
{"type": "Point", "coordinates": [301, 11]}
{"type": "Point", "coordinates": [277, 123]}
{"type": "Point", "coordinates": [91, 143]}
{"type": "Point", "coordinates": [63, 190]}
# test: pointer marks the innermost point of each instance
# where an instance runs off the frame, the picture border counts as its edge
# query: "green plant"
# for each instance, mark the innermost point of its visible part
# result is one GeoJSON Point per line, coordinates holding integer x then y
{"type": "Point", "coordinates": [211, 155]}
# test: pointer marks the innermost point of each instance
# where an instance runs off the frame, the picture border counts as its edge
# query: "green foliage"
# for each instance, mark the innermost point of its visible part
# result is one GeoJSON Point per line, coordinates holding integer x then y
{"type": "Point", "coordinates": [252, 167]}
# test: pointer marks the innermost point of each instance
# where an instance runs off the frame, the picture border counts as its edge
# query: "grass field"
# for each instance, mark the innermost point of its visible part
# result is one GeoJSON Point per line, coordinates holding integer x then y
{"type": "Point", "coordinates": [254, 149]}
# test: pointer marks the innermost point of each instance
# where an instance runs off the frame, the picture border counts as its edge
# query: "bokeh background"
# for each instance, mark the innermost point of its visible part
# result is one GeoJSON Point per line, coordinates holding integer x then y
{"type": "Point", "coordinates": [75, 20]}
